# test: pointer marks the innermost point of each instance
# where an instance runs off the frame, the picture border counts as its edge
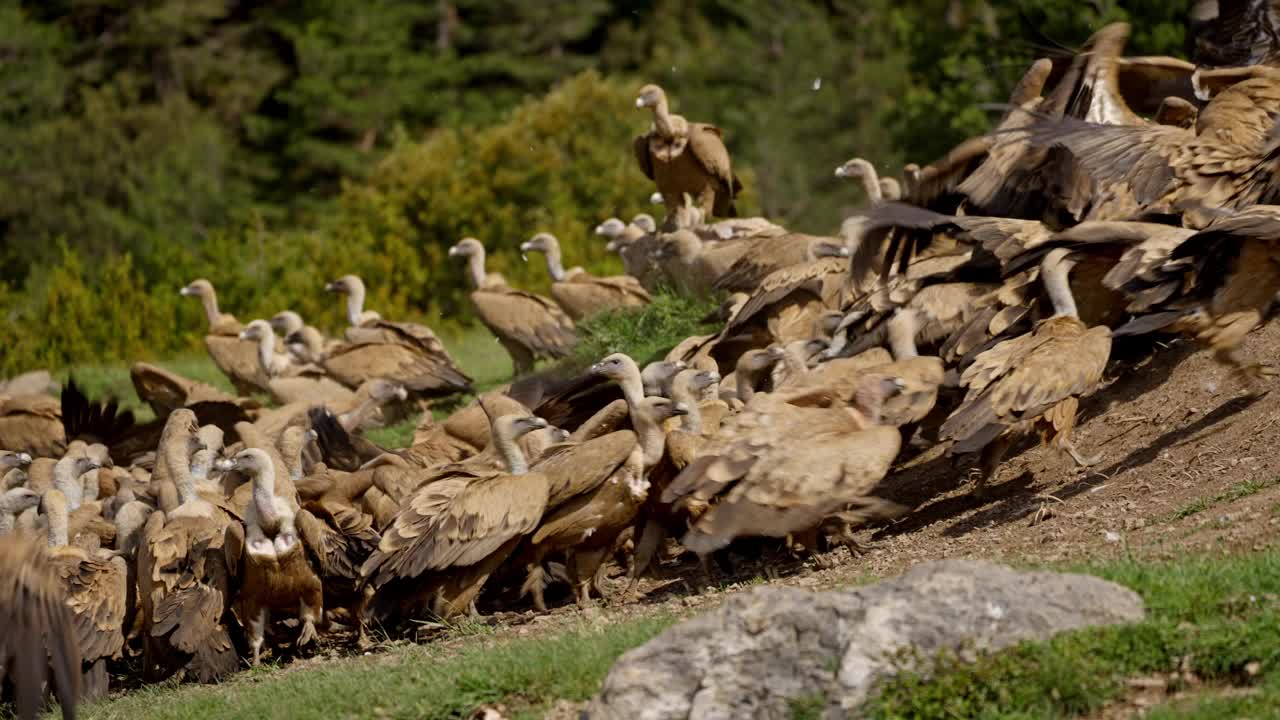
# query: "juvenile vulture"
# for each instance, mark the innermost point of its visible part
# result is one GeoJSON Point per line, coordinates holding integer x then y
{"type": "Point", "coordinates": [580, 293]}
{"type": "Point", "coordinates": [235, 357]}
{"type": "Point", "coordinates": [407, 353]}
{"type": "Point", "coordinates": [1033, 381]}
{"type": "Point", "coordinates": [683, 157]}
{"type": "Point", "coordinates": [529, 326]}
{"type": "Point", "coordinates": [455, 532]}
{"type": "Point", "coordinates": [41, 639]}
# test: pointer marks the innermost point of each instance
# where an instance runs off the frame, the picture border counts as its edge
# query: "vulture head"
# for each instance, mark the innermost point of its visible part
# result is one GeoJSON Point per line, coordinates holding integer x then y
{"type": "Point", "coordinates": [287, 322]}
{"type": "Point", "coordinates": [253, 462]}
{"type": "Point", "coordinates": [651, 96]}
{"type": "Point", "coordinates": [197, 288]}
{"type": "Point", "coordinates": [515, 426]}
{"type": "Point", "coordinates": [347, 285]}
{"type": "Point", "coordinates": [856, 168]}
{"type": "Point", "coordinates": [611, 228]}
{"type": "Point", "coordinates": [18, 500]}
{"type": "Point", "coordinates": [645, 222]}
{"type": "Point", "coordinates": [661, 408]}
{"type": "Point", "coordinates": [543, 242]}
{"type": "Point", "coordinates": [211, 436]}
{"type": "Point", "coordinates": [657, 376]}
{"type": "Point", "coordinates": [618, 367]}
{"type": "Point", "coordinates": [10, 460]}
{"type": "Point", "coordinates": [383, 391]}
{"type": "Point", "coordinates": [826, 249]}
{"type": "Point", "coordinates": [256, 330]}
{"type": "Point", "coordinates": [469, 247]}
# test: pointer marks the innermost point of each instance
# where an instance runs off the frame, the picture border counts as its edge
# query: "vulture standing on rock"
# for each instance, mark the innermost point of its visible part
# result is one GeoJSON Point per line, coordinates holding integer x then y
{"type": "Point", "coordinates": [235, 357]}
{"type": "Point", "coordinates": [683, 157]}
{"type": "Point", "coordinates": [580, 293]}
{"type": "Point", "coordinates": [529, 326]}
{"type": "Point", "coordinates": [407, 353]}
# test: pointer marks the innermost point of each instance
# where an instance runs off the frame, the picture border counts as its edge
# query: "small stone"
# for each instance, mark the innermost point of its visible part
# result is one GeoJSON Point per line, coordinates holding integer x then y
{"type": "Point", "coordinates": [1112, 537]}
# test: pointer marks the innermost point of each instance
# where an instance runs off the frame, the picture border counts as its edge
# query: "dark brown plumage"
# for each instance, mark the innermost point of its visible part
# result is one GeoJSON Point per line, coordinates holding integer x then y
{"type": "Point", "coordinates": [683, 157]}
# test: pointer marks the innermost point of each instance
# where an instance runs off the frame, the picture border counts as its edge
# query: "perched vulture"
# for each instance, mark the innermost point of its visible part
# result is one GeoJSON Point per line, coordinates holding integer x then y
{"type": "Point", "coordinates": [683, 157]}
{"type": "Point", "coordinates": [235, 357]}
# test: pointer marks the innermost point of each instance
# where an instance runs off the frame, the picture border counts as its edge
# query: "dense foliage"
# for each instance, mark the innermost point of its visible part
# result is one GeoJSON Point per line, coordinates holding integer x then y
{"type": "Point", "coordinates": [268, 145]}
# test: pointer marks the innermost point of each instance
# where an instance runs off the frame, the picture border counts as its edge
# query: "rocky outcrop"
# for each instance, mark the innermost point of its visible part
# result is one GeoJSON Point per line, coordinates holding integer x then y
{"type": "Point", "coordinates": [762, 650]}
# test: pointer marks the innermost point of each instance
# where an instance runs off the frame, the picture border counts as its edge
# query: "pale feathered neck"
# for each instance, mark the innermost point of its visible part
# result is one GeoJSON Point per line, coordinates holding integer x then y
{"type": "Point", "coordinates": [356, 314]}
{"type": "Point", "coordinates": [505, 442]}
{"type": "Point", "coordinates": [67, 482]}
{"type": "Point", "coordinates": [1055, 274]}
{"type": "Point", "coordinates": [264, 497]}
{"type": "Point", "coordinates": [681, 392]}
{"type": "Point", "coordinates": [554, 264]}
{"type": "Point", "coordinates": [475, 267]}
{"type": "Point", "coordinates": [902, 334]}
{"type": "Point", "coordinates": [209, 300]}
{"type": "Point", "coordinates": [652, 439]}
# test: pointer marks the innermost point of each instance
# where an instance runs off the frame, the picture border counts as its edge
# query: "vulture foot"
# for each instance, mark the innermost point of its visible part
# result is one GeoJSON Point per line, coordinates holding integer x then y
{"type": "Point", "coordinates": [308, 634]}
{"type": "Point", "coordinates": [535, 582]}
{"type": "Point", "coordinates": [1080, 460]}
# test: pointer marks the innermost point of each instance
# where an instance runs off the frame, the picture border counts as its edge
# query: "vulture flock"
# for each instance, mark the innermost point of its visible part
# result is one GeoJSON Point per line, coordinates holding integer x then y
{"type": "Point", "coordinates": [975, 301]}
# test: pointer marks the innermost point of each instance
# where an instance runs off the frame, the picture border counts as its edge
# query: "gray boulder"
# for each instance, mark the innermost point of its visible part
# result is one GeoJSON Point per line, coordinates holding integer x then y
{"type": "Point", "coordinates": [764, 649]}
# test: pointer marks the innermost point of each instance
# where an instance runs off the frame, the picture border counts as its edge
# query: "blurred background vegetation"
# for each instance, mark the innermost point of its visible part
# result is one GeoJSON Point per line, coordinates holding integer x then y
{"type": "Point", "coordinates": [270, 145]}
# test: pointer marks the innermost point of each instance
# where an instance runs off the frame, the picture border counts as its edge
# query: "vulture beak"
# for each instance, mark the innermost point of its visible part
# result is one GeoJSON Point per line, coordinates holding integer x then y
{"type": "Point", "coordinates": [538, 422]}
{"type": "Point", "coordinates": [187, 291]}
{"type": "Point", "coordinates": [842, 172]}
{"type": "Point", "coordinates": [596, 369]}
{"type": "Point", "coordinates": [656, 199]}
{"type": "Point", "coordinates": [715, 376]}
{"type": "Point", "coordinates": [310, 435]}
{"type": "Point", "coordinates": [23, 459]}
{"type": "Point", "coordinates": [454, 251]}
{"type": "Point", "coordinates": [600, 229]}
{"type": "Point", "coordinates": [640, 102]}
{"type": "Point", "coordinates": [224, 464]}
{"type": "Point", "coordinates": [679, 408]}
{"type": "Point", "coordinates": [332, 287]}
{"type": "Point", "coordinates": [611, 246]}
{"type": "Point", "coordinates": [244, 335]}
{"type": "Point", "coordinates": [526, 247]}
{"type": "Point", "coordinates": [402, 393]}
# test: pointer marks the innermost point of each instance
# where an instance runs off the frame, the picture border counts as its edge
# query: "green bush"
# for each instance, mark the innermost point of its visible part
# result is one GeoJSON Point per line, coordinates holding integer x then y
{"type": "Point", "coordinates": [561, 163]}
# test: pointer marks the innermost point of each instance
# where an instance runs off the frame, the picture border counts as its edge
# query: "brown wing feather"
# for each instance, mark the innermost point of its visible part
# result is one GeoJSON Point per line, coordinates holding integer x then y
{"type": "Point", "coordinates": [456, 523]}
{"type": "Point", "coordinates": [530, 320]}
{"type": "Point", "coordinates": [640, 146]}
{"type": "Point", "coordinates": [238, 360]}
{"type": "Point", "coordinates": [575, 469]}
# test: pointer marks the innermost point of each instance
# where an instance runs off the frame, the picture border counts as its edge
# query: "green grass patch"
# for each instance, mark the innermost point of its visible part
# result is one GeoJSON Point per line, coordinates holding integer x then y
{"type": "Point", "coordinates": [646, 334]}
{"type": "Point", "coordinates": [1212, 615]}
{"type": "Point", "coordinates": [527, 675]}
{"type": "Point", "coordinates": [1257, 703]}
{"type": "Point", "coordinates": [1243, 490]}
{"type": "Point", "coordinates": [399, 435]}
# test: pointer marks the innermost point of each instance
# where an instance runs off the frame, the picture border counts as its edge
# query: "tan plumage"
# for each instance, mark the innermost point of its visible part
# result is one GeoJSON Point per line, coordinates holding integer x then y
{"type": "Point", "coordinates": [166, 391]}
{"type": "Point", "coordinates": [236, 358]}
{"type": "Point", "coordinates": [1218, 284]}
{"type": "Point", "coordinates": [776, 468]}
{"type": "Point", "coordinates": [455, 532]}
{"type": "Point", "coordinates": [529, 326]}
{"type": "Point", "coordinates": [408, 353]}
{"type": "Point", "coordinates": [767, 255]}
{"type": "Point", "coordinates": [185, 564]}
{"type": "Point", "coordinates": [1032, 381]}
{"type": "Point", "coordinates": [40, 635]}
{"type": "Point", "coordinates": [683, 157]}
{"type": "Point", "coordinates": [580, 293]}
{"type": "Point", "coordinates": [96, 591]}
{"type": "Point", "coordinates": [32, 424]}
